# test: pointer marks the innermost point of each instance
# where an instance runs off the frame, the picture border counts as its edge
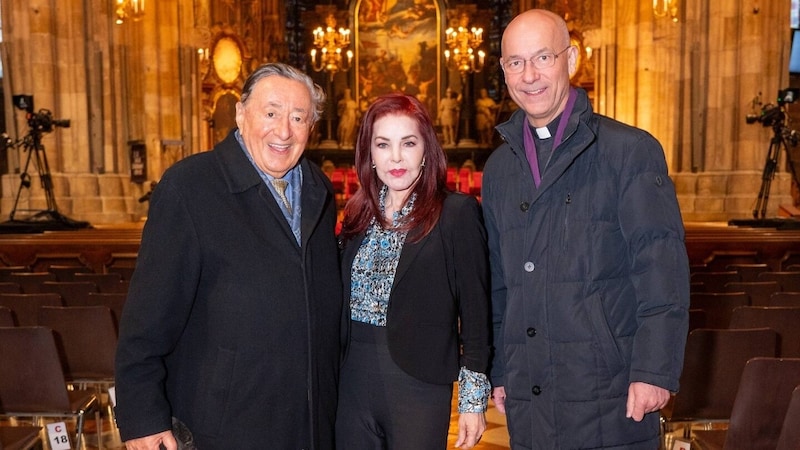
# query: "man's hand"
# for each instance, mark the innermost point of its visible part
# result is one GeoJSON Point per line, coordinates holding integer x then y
{"type": "Point", "coordinates": [645, 398]}
{"type": "Point", "coordinates": [499, 398]}
{"type": "Point", "coordinates": [153, 442]}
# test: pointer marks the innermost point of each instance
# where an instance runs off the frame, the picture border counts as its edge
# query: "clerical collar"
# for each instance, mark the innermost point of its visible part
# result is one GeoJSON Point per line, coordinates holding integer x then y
{"type": "Point", "coordinates": [543, 133]}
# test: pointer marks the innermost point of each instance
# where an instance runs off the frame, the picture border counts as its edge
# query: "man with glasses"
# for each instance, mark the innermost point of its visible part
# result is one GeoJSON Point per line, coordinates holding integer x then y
{"type": "Point", "coordinates": [590, 277]}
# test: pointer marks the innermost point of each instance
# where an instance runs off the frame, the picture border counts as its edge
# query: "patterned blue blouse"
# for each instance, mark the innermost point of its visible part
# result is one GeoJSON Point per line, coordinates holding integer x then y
{"type": "Point", "coordinates": [372, 276]}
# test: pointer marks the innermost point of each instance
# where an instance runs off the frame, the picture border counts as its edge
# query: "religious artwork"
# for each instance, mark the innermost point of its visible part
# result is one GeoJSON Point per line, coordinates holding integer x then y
{"type": "Point", "coordinates": [397, 50]}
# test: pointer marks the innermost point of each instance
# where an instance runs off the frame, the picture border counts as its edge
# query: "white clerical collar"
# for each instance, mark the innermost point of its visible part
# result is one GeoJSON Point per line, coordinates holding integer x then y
{"type": "Point", "coordinates": [543, 133]}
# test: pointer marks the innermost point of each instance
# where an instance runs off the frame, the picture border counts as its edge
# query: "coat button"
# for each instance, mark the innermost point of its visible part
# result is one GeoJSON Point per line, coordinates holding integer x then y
{"type": "Point", "coordinates": [536, 390]}
{"type": "Point", "coordinates": [524, 206]}
{"type": "Point", "coordinates": [529, 266]}
{"type": "Point", "coordinates": [531, 332]}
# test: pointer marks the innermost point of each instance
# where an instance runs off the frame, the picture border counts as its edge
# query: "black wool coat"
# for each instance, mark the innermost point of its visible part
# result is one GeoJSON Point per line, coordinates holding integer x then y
{"type": "Point", "coordinates": [229, 325]}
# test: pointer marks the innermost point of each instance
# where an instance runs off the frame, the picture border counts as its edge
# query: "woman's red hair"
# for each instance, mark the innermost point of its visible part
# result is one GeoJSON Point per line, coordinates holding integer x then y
{"type": "Point", "coordinates": [430, 187]}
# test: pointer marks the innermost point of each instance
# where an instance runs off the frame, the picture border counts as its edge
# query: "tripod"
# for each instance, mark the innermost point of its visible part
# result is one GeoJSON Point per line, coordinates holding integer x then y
{"type": "Point", "coordinates": [49, 218]}
{"type": "Point", "coordinates": [780, 137]}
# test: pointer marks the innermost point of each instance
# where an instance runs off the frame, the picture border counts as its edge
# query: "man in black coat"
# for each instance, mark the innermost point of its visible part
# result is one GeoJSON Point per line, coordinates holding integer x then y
{"type": "Point", "coordinates": [231, 324]}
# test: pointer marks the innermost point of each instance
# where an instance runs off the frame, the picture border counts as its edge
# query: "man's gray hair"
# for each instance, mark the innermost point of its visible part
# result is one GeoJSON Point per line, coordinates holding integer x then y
{"type": "Point", "coordinates": [287, 71]}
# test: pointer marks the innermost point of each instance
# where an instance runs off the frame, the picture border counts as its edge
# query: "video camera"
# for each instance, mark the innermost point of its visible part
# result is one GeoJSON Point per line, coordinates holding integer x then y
{"type": "Point", "coordinates": [773, 114]}
{"type": "Point", "coordinates": [41, 121]}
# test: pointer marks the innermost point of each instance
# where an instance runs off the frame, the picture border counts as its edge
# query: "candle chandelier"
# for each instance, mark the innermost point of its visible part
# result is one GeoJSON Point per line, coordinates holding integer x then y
{"type": "Point", "coordinates": [666, 8]}
{"type": "Point", "coordinates": [330, 43]}
{"type": "Point", "coordinates": [128, 10]}
{"type": "Point", "coordinates": [462, 43]}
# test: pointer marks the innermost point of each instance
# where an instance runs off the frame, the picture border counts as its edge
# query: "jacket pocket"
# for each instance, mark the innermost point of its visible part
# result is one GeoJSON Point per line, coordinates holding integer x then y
{"type": "Point", "coordinates": [606, 341]}
{"type": "Point", "coordinates": [214, 392]}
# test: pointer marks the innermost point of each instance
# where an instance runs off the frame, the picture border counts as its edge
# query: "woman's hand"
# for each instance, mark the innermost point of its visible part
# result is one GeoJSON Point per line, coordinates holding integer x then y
{"type": "Point", "coordinates": [470, 429]}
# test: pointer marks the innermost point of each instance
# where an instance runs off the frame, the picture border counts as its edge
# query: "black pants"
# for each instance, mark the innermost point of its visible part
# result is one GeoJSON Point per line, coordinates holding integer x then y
{"type": "Point", "coordinates": [383, 408]}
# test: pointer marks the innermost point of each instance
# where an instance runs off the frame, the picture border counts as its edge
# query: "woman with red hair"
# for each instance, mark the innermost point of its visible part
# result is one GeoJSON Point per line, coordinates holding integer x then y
{"type": "Point", "coordinates": [414, 257]}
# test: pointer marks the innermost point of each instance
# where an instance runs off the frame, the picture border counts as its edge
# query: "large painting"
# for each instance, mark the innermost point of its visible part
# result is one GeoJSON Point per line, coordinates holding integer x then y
{"type": "Point", "coordinates": [397, 49]}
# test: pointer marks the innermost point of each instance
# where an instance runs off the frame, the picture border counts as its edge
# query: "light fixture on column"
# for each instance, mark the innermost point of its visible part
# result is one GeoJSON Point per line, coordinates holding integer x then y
{"type": "Point", "coordinates": [666, 8]}
{"type": "Point", "coordinates": [462, 44]}
{"type": "Point", "coordinates": [128, 10]}
{"type": "Point", "coordinates": [330, 43]}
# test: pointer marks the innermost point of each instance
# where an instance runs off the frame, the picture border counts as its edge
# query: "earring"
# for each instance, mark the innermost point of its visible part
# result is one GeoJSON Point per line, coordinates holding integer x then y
{"type": "Point", "coordinates": [423, 163]}
{"type": "Point", "coordinates": [373, 165]}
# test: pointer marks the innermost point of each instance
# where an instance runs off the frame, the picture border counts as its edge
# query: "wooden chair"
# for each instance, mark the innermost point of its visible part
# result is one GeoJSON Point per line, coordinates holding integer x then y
{"type": "Point", "coordinates": [762, 401]}
{"type": "Point", "coordinates": [31, 282]}
{"type": "Point", "coordinates": [67, 272]}
{"type": "Point", "coordinates": [87, 340]}
{"type": "Point", "coordinates": [784, 299]}
{"type": "Point", "coordinates": [713, 363]}
{"type": "Point", "coordinates": [789, 438]}
{"type": "Point", "coordinates": [784, 320]}
{"type": "Point", "coordinates": [9, 287]}
{"type": "Point", "coordinates": [748, 272]}
{"type": "Point", "coordinates": [789, 281]}
{"type": "Point", "coordinates": [718, 306]}
{"type": "Point", "coordinates": [112, 300]}
{"type": "Point", "coordinates": [32, 382]}
{"type": "Point", "coordinates": [719, 260]}
{"type": "Point", "coordinates": [126, 272]}
{"type": "Point", "coordinates": [697, 319]}
{"type": "Point", "coordinates": [6, 317]}
{"type": "Point", "coordinates": [20, 437]}
{"type": "Point", "coordinates": [70, 290]}
{"type": "Point", "coordinates": [758, 291]}
{"type": "Point", "coordinates": [106, 282]}
{"type": "Point", "coordinates": [6, 271]}
{"type": "Point", "coordinates": [25, 307]}
{"type": "Point", "coordinates": [715, 281]}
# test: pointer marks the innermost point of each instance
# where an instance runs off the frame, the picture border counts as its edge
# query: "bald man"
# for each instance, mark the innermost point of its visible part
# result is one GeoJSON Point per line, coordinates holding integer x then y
{"type": "Point", "coordinates": [590, 277]}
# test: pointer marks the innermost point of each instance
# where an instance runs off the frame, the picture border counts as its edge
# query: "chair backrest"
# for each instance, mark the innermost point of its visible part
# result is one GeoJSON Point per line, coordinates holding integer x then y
{"type": "Point", "coordinates": [114, 301]}
{"type": "Point", "coordinates": [9, 287]}
{"type": "Point", "coordinates": [789, 438]}
{"type": "Point", "coordinates": [718, 306]}
{"type": "Point", "coordinates": [759, 291]}
{"type": "Point", "coordinates": [789, 281]}
{"type": "Point", "coordinates": [19, 437]}
{"type": "Point", "coordinates": [31, 282]}
{"type": "Point", "coordinates": [25, 307]}
{"type": "Point", "coordinates": [69, 290]}
{"type": "Point", "coordinates": [712, 367]}
{"type": "Point", "coordinates": [6, 317]}
{"type": "Point", "coordinates": [748, 272]}
{"type": "Point", "coordinates": [86, 338]}
{"type": "Point", "coordinates": [67, 272]}
{"type": "Point", "coordinates": [715, 281]}
{"type": "Point", "coordinates": [126, 272]}
{"type": "Point", "coordinates": [6, 271]}
{"type": "Point", "coordinates": [106, 282]}
{"type": "Point", "coordinates": [31, 378]}
{"type": "Point", "coordinates": [784, 320]}
{"type": "Point", "coordinates": [761, 403]}
{"type": "Point", "coordinates": [784, 299]}
{"type": "Point", "coordinates": [720, 259]}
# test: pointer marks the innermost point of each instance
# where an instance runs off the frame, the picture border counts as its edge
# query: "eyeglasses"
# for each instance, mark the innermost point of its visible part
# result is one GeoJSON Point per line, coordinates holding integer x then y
{"type": "Point", "coordinates": [540, 61]}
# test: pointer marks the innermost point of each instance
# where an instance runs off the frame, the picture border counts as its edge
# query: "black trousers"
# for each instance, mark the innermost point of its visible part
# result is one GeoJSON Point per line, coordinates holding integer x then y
{"type": "Point", "coordinates": [383, 408]}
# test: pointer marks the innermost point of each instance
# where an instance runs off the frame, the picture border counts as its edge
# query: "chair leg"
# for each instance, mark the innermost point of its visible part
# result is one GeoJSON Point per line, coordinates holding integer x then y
{"type": "Point", "coordinates": [79, 430]}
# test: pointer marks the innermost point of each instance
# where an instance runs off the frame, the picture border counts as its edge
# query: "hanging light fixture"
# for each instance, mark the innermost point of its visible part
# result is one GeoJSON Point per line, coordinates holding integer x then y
{"type": "Point", "coordinates": [128, 10]}
{"type": "Point", "coordinates": [666, 8]}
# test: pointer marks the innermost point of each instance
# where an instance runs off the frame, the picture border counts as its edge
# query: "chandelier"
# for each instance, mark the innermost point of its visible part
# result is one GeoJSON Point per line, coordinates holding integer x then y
{"type": "Point", "coordinates": [664, 8]}
{"type": "Point", "coordinates": [462, 43]}
{"type": "Point", "coordinates": [128, 10]}
{"type": "Point", "coordinates": [331, 43]}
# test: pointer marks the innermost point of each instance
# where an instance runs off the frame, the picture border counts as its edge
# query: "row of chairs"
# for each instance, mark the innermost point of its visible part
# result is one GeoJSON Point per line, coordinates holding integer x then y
{"type": "Point", "coordinates": [58, 369]}
{"type": "Point", "coordinates": [23, 309]}
{"type": "Point", "coordinates": [720, 367]}
{"type": "Point", "coordinates": [34, 282]}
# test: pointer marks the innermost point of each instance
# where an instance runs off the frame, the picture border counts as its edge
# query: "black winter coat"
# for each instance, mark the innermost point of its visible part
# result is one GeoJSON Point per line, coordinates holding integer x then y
{"type": "Point", "coordinates": [590, 283]}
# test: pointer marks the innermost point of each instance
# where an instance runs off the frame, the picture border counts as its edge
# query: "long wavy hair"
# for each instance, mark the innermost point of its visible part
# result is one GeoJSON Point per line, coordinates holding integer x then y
{"type": "Point", "coordinates": [430, 187]}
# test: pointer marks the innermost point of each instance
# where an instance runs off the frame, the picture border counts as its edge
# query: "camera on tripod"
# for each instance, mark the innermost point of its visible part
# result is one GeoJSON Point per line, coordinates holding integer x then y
{"type": "Point", "coordinates": [773, 114]}
{"type": "Point", "coordinates": [41, 121]}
